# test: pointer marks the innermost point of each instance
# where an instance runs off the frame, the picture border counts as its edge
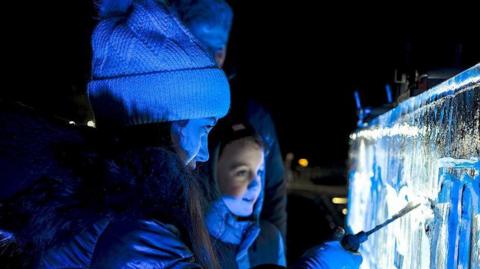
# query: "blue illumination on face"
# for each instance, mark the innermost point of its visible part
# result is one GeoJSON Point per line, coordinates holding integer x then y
{"type": "Point", "coordinates": [190, 138]}
{"type": "Point", "coordinates": [239, 175]}
{"type": "Point", "coordinates": [243, 205]}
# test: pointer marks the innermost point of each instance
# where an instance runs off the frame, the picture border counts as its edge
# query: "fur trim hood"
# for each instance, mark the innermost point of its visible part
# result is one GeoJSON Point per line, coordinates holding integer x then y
{"type": "Point", "coordinates": [83, 185]}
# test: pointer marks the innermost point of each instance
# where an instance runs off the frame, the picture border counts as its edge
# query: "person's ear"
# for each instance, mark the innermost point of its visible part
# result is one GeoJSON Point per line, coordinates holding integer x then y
{"type": "Point", "coordinates": [220, 56]}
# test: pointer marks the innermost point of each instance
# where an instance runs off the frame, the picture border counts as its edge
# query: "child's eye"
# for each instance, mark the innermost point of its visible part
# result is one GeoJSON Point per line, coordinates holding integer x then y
{"type": "Point", "coordinates": [241, 173]}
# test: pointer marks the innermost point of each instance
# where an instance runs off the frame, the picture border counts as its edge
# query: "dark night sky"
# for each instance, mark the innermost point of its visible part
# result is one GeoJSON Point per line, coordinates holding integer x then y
{"type": "Point", "coordinates": [301, 59]}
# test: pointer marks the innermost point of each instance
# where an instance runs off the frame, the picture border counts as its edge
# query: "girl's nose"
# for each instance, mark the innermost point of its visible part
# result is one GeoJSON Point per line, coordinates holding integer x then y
{"type": "Point", "coordinates": [203, 154]}
{"type": "Point", "coordinates": [255, 185]}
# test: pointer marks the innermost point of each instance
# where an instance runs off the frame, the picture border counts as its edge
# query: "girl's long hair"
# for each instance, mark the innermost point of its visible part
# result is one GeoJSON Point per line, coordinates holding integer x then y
{"type": "Point", "coordinates": [194, 191]}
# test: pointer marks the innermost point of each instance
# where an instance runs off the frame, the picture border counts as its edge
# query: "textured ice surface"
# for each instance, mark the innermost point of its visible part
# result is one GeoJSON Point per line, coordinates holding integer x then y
{"type": "Point", "coordinates": [425, 149]}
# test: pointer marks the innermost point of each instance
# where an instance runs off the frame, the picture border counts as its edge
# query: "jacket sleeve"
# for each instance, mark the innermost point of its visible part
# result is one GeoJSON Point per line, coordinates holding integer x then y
{"type": "Point", "coordinates": [142, 244]}
{"type": "Point", "coordinates": [275, 202]}
{"type": "Point", "coordinates": [329, 255]}
{"type": "Point", "coordinates": [268, 247]}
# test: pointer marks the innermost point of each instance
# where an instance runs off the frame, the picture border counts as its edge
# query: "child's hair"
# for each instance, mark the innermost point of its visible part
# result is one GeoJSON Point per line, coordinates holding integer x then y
{"type": "Point", "coordinates": [229, 130]}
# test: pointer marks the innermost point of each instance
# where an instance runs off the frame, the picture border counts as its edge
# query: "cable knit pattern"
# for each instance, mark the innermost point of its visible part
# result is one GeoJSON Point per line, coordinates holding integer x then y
{"type": "Point", "coordinates": [147, 67]}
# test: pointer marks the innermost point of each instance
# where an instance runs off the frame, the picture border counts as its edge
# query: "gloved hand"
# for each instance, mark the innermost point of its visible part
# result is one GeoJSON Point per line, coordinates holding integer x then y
{"type": "Point", "coordinates": [329, 255]}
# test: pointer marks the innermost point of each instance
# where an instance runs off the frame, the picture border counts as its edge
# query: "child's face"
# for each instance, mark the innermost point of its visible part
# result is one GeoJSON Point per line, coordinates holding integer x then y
{"type": "Point", "coordinates": [239, 172]}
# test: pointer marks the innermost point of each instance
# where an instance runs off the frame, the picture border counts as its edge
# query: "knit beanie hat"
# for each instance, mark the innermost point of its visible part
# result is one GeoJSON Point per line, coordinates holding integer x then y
{"type": "Point", "coordinates": [227, 130]}
{"type": "Point", "coordinates": [209, 20]}
{"type": "Point", "coordinates": [148, 68]}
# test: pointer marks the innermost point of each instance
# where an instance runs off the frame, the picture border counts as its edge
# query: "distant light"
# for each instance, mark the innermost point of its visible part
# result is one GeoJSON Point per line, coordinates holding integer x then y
{"type": "Point", "coordinates": [344, 211]}
{"type": "Point", "coordinates": [91, 123]}
{"type": "Point", "coordinates": [71, 122]}
{"type": "Point", "coordinates": [303, 162]}
{"type": "Point", "coordinates": [339, 200]}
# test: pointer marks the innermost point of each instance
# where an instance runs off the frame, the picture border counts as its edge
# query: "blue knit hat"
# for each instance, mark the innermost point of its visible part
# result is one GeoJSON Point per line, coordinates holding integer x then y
{"type": "Point", "coordinates": [209, 20]}
{"type": "Point", "coordinates": [148, 68]}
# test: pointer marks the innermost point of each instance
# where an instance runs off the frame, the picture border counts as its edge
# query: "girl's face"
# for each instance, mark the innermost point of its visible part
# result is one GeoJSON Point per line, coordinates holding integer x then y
{"type": "Point", "coordinates": [190, 138]}
{"type": "Point", "coordinates": [239, 171]}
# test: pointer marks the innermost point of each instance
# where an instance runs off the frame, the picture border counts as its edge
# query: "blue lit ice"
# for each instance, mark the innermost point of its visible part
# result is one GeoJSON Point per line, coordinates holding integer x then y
{"type": "Point", "coordinates": [425, 149]}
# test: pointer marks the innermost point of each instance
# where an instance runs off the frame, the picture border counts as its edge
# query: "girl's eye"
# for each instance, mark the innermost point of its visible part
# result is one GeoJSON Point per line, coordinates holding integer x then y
{"type": "Point", "coordinates": [241, 173]}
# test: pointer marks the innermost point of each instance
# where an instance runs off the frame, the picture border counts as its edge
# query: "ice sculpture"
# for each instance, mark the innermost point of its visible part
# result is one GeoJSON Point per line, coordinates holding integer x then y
{"type": "Point", "coordinates": [427, 149]}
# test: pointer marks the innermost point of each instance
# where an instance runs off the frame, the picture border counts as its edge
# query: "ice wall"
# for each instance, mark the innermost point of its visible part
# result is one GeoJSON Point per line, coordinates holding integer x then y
{"type": "Point", "coordinates": [427, 148]}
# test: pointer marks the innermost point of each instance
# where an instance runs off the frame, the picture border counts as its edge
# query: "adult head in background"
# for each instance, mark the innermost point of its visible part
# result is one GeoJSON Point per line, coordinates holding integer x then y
{"type": "Point", "coordinates": [209, 21]}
